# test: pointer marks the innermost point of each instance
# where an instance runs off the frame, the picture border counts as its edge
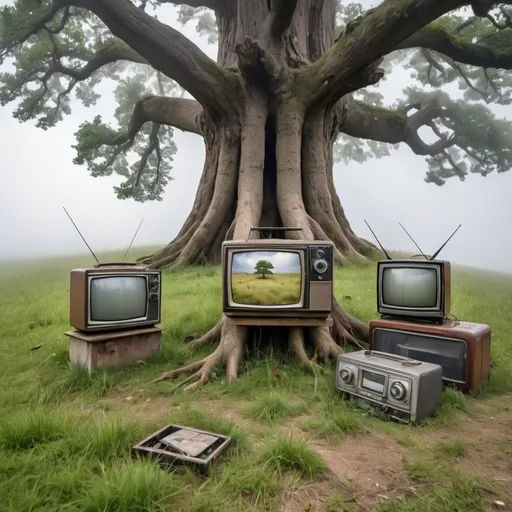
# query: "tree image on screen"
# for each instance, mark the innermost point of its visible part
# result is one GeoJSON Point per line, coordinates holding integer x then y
{"type": "Point", "coordinates": [289, 93]}
{"type": "Point", "coordinates": [263, 268]}
{"type": "Point", "coordinates": [266, 278]}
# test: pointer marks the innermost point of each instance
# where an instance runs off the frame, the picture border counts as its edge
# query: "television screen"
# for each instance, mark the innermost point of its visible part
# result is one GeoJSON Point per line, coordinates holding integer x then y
{"type": "Point", "coordinates": [118, 298]}
{"type": "Point", "coordinates": [448, 353]}
{"type": "Point", "coordinates": [266, 278]}
{"type": "Point", "coordinates": [410, 287]}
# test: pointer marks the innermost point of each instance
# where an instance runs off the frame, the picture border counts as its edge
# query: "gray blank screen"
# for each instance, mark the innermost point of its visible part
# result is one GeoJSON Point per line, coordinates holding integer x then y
{"type": "Point", "coordinates": [410, 287]}
{"type": "Point", "coordinates": [118, 298]}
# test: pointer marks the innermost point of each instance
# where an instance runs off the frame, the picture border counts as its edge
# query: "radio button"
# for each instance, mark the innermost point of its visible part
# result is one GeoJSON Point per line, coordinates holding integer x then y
{"type": "Point", "coordinates": [347, 375]}
{"type": "Point", "coordinates": [397, 391]}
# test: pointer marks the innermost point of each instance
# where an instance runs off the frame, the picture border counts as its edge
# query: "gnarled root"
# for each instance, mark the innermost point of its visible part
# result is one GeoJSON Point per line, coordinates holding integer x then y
{"type": "Point", "coordinates": [348, 329]}
{"type": "Point", "coordinates": [297, 344]}
{"type": "Point", "coordinates": [229, 352]}
{"type": "Point", "coordinates": [211, 336]}
{"type": "Point", "coordinates": [325, 347]}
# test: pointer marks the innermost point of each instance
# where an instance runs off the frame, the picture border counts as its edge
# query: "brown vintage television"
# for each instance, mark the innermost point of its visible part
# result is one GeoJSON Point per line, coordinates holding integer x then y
{"type": "Point", "coordinates": [114, 296]}
{"type": "Point", "coordinates": [414, 288]}
{"type": "Point", "coordinates": [462, 349]}
{"type": "Point", "coordinates": [277, 278]}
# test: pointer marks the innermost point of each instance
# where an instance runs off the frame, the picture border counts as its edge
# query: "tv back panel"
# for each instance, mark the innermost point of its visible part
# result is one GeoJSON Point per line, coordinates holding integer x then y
{"type": "Point", "coordinates": [114, 297]}
{"type": "Point", "coordinates": [414, 288]}
{"type": "Point", "coordinates": [462, 349]}
{"type": "Point", "coordinates": [277, 278]}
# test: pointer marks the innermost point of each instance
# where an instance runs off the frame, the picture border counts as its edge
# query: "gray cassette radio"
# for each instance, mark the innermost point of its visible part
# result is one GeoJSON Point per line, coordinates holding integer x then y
{"type": "Point", "coordinates": [405, 389]}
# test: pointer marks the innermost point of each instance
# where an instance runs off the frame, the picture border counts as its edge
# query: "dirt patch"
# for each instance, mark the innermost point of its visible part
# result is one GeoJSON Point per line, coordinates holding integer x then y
{"type": "Point", "coordinates": [366, 464]}
{"type": "Point", "coordinates": [369, 468]}
{"type": "Point", "coordinates": [308, 498]}
{"type": "Point", "coordinates": [486, 432]}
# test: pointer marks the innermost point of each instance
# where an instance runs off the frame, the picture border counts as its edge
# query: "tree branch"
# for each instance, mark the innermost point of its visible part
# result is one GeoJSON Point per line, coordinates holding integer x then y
{"type": "Point", "coordinates": [495, 52]}
{"type": "Point", "coordinates": [364, 42]}
{"type": "Point", "coordinates": [31, 26]}
{"type": "Point", "coordinates": [168, 51]}
{"type": "Point", "coordinates": [155, 43]}
{"type": "Point", "coordinates": [180, 113]}
{"type": "Point", "coordinates": [368, 122]}
{"type": "Point", "coordinates": [105, 150]}
{"type": "Point", "coordinates": [210, 4]}
{"type": "Point", "coordinates": [281, 16]}
{"type": "Point", "coordinates": [109, 54]}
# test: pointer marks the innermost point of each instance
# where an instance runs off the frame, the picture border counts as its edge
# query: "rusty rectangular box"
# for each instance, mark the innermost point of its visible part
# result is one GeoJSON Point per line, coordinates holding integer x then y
{"type": "Point", "coordinates": [153, 447]}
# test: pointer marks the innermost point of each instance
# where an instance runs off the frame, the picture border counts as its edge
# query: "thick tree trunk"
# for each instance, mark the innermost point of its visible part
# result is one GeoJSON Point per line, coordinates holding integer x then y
{"type": "Point", "coordinates": [271, 165]}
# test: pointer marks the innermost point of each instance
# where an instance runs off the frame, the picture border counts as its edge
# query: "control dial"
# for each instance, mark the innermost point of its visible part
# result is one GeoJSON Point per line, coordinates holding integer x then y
{"type": "Point", "coordinates": [154, 283]}
{"type": "Point", "coordinates": [320, 266]}
{"type": "Point", "coordinates": [397, 391]}
{"type": "Point", "coordinates": [153, 296]}
{"type": "Point", "coordinates": [320, 254]}
{"type": "Point", "coordinates": [347, 375]}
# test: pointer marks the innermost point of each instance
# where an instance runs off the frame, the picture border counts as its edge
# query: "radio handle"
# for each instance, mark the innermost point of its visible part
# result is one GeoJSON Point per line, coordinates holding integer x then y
{"type": "Point", "coordinates": [393, 357]}
{"type": "Point", "coordinates": [259, 228]}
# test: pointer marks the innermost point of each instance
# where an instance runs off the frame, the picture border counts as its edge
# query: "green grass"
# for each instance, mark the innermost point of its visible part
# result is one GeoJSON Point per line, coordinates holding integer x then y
{"type": "Point", "coordinates": [285, 453]}
{"type": "Point", "coordinates": [273, 406]}
{"type": "Point", "coordinates": [271, 289]}
{"type": "Point", "coordinates": [66, 436]}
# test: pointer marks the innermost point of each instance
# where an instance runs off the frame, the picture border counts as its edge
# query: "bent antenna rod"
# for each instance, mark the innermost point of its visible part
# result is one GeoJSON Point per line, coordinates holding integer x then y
{"type": "Point", "coordinates": [442, 246]}
{"type": "Point", "coordinates": [422, 253]}
{"type": "Point", "coordinates": [126, 252]}
{"type": "Point", "coordinates": [383, 250]}
{"type": "Point", "coordinates": [85, 242]}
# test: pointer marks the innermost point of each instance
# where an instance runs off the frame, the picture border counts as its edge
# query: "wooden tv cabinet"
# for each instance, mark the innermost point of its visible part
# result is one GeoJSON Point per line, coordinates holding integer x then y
{"type": "Point", "coordinates": [98, 350]}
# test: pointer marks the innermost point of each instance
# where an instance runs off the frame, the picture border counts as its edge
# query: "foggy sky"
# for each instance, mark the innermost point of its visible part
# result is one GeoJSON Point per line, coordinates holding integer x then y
{"type": "Point", "coordinates": [38, 178]}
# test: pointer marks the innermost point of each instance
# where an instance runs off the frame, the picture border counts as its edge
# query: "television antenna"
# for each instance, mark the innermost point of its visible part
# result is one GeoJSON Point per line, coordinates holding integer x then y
{"type": "Point", "coordinates": [94, 255]}
{"type": "Point", "coordinates": [375, 236]}
{"type": "Point", "coordinates": [433, 257]}
{"type": "Point", "coordinates": [126, 252]}
{"type": "Point", "coordinates": [419, 248]}
{"type": "Point", "coordinates": [442, 246]}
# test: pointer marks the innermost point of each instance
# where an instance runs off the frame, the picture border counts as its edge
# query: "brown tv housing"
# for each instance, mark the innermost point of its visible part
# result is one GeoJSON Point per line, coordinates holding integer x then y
{"type": "Point", "coordinates": [79, 297]}
{"type": "Point", "coordinates": [476, 337]}
{"type": "Point", "coordinates": [317, 288]}
{"type": "Point", "coordinates": [438, 313]}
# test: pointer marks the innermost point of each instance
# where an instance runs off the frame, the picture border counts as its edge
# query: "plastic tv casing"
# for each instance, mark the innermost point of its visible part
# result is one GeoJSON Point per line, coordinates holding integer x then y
{"type": "Point", "coordinates": [316, 294]}
{"type": "Point", "coordinates": [81, 281]}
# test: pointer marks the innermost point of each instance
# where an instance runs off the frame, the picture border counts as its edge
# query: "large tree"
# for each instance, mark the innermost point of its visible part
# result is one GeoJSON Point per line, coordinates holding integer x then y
{"type": "Point", "coordinates": [286, 84]}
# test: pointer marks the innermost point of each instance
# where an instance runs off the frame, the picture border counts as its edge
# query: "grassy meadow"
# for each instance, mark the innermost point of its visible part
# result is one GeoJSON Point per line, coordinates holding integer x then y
{"type": "Point", "coordinates": [272, 289]}
{"type": "Point", "coordinates": [66, 437]}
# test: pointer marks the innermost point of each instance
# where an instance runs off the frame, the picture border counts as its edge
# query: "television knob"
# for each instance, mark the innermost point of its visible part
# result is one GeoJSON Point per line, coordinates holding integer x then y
{"type": "Point", "coordinates": [397, 391]}
{"type": "Point", "coordinates": [346, 375]}
{"type": "Point", "coordinates": [153, 296]}
{"type": "Point", "coordinates": [154, 283]}
{"type": "Point", "coordinates": [320, 266]}
{"type": "Point", "coordinates": [320, 254]}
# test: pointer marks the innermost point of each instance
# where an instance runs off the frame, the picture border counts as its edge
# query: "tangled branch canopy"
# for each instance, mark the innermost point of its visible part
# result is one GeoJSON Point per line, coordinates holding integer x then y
{"type": "Point", "coordinates": [56, 52]}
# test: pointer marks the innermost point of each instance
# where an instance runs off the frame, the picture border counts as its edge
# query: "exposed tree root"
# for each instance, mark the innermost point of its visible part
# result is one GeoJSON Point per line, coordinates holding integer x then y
{"type": "Point", "coordinates": [212, 335]}
{"type": "Point", "coordinates": [297, 345]}
{"type": "Point", "coordinates": [233, 342]}
{"type": "Point", "coordinates": [325, 347]}
{"type": "Point", "coordinates": [229, 353]}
